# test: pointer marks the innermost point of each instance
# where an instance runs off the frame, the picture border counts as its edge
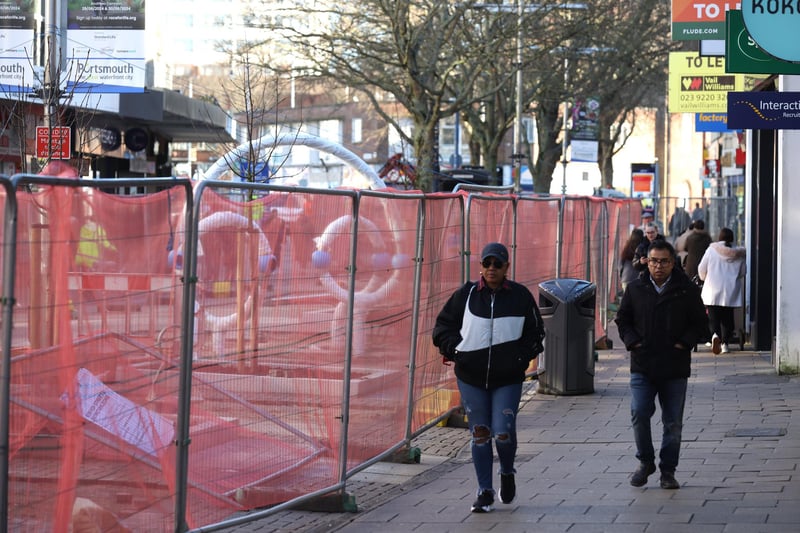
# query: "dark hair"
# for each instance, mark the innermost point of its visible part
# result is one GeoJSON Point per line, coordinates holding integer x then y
{"type": "Point", "coordinates": [726, 234]}
{"type": "Point", "coordinates": [699, 224]}
{"type": "Point", "coordinates": [635, 239]}
{"type": "Point", "coordinates": [660, 244]}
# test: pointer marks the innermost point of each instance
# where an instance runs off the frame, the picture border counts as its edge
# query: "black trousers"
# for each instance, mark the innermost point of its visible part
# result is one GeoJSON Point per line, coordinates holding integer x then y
{"type": "Point", "coordinates": [720, 321]}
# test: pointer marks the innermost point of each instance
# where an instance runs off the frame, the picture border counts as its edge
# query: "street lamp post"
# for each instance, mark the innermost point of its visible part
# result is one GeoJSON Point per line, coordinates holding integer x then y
{"type": "Point", "coordinates": [565, 130]}
{"type": "Point", "coordinates": [517, 156]}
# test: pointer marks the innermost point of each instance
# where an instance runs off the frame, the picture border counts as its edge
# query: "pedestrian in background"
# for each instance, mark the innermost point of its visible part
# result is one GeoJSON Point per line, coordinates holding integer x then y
{"type": "Point", "coordinates": [627, 272]}
{"type": "Point", "coordinates": [721, 270]}
{"type": "Point", "coordinates": [660, 319]}
{"type": "Point", "coordinates": [678, 222]}
{"type": "Point", "coordinates": [640, 256]}
{"type": "Point", "coordinates": [698, 213]}
{"type": "Point", "coordinates": [491, 329]}
{"type": "Point", "coordinates": [696, 245]}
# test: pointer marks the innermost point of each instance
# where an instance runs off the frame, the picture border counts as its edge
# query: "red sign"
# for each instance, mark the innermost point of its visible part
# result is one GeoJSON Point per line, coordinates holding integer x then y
{"type": "Point", "coordinates": [53, 143]}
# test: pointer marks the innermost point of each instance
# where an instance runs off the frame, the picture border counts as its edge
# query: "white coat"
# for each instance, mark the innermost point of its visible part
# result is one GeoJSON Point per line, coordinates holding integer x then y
{"type": "Point", "coordinates": [722, 269]}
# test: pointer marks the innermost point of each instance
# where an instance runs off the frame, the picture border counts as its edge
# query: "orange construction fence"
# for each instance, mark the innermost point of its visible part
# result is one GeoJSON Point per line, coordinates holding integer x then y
{"type": "Point", "coordinates": [174, 358]}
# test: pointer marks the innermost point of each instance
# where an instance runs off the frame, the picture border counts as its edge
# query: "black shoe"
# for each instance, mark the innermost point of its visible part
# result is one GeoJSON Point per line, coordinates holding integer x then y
{"type": "Point", "coordinates": [639, 477]}
{"type": "Point", "coordinates": [484, 502]}
{"type": "Point", "coordinates": [668, 481]}
{"type": "Point", "coordinates": [508, 489]}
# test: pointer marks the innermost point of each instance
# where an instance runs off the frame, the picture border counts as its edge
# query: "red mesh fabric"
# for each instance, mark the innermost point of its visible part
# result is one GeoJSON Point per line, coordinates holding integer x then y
{"type": "Point", "coordinates": [285, 310]}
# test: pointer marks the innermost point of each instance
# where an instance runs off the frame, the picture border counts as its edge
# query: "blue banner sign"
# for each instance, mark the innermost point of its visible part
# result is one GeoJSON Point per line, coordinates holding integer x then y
{"type": "Point", "coordinates": [711, 122]}
{"type": "Point", "coordinates": [764, 110]}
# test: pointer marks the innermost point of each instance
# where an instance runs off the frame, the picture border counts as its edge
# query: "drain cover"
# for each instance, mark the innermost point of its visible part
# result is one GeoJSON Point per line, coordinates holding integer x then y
{"type": "Point", "coordinates": [756, 432]}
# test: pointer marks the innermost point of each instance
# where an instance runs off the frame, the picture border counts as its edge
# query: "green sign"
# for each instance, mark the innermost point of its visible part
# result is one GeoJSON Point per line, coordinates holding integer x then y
{"type": "Point", "coordinates": [743, 55]}
{"type": "Point", "coordinates": [773, 25]}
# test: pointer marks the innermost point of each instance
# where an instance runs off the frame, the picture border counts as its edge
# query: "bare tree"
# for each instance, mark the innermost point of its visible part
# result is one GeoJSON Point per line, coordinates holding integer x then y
{"type": "Point", "coordinates": [621, 59]}
{"type": "Point", "coordinates": [424, 56]}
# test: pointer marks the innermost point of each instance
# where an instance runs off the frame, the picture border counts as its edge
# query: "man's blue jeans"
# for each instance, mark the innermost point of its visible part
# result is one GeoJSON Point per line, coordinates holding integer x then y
{"type": "Point", "coordinates": [672, 398]}
{"type": "Point", "coordinates": [491, 413]}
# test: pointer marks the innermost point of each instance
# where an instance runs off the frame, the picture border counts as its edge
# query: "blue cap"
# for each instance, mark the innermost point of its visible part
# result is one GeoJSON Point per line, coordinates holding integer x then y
{"type": "Point", "coordinates": [495, 249]}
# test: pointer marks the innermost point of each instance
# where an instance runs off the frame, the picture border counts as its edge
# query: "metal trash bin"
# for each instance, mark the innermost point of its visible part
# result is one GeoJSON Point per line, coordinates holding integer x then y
{"type": "Point", "coordinates": [567, 364]}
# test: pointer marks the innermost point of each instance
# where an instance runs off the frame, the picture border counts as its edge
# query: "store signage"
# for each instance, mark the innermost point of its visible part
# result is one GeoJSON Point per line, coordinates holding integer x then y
{"type": "Point", "coordinates": [773, 25]}
{"type": "Point", "coordinates": [742, 54]}
{"type": "Point", "coordinates": [764, 110]}
{"type": "Point", "coordinates": [711, 122]}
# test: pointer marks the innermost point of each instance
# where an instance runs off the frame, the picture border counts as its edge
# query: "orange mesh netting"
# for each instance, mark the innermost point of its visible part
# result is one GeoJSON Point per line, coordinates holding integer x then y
{"type": "Point", "coordinates": [302, 353]}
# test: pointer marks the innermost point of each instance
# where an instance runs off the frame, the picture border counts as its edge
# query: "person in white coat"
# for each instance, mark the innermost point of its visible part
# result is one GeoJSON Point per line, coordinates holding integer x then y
{"type": "Point", "coordinates": [722, 270]}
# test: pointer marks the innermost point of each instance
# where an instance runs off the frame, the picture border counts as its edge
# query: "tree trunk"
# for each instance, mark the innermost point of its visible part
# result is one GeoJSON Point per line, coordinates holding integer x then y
{"type": "Point", "coordinates": [427, 157]}
{"type": "Point", "coordinates": [547, 117]}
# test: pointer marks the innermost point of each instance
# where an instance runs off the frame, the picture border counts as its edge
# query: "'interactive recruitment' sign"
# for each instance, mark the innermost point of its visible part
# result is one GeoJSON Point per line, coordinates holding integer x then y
{"type": "Point", "coordinates": [764, 110]}
{"type": "Point", "coordinates": [773, 24]}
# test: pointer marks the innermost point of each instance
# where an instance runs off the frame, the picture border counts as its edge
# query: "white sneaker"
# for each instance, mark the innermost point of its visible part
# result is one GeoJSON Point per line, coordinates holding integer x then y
{"type": "Point", "coordinates": [716, 344]}
{"type": "Point", "coordinates": [708, 344]}
{"type": "Point", "coordinates": [724, 347]}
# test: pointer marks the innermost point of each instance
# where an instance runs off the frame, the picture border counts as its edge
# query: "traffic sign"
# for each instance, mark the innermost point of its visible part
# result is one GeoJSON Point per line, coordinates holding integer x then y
{"type": "Point", "coordinates": [53, 143]}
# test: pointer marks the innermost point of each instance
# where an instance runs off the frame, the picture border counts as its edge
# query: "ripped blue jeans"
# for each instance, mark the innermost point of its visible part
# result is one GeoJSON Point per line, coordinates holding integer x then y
{"type": "Point", "coordinates": [492, 414]}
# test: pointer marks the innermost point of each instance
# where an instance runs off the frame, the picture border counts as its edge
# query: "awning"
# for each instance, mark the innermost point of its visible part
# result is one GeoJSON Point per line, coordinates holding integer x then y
{"type": "Point", "coordinates": [169, 114]}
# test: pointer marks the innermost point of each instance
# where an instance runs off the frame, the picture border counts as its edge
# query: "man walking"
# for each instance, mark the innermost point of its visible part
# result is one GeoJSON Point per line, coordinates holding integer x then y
{"type": "Point", "coordinates": [640, 255]}
{"type": "Point", "coordinates": [660, 319]}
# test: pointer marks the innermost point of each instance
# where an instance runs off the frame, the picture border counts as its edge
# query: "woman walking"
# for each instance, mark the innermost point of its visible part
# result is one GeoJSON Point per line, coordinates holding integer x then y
{"type": "Point", "coordinates": [627, 272]}
{"type": "Point", "coordinates": [721, 269]}
{"type": "Point", "coordinates": [491, 329]}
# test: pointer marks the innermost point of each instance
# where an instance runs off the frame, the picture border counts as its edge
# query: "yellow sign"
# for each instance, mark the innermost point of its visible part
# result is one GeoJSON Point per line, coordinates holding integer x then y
{"type": "Point", "coordinates": [699, 84]}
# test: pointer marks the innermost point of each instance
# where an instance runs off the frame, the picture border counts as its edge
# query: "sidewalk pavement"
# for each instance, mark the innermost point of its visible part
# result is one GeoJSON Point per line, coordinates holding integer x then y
{"type": "Point", "coordinates": [739, 469]}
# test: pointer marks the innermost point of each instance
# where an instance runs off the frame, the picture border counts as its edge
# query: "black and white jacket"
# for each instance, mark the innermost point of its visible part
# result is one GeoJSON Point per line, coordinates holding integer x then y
{"type": "Point", "coordinates": [490, 335]}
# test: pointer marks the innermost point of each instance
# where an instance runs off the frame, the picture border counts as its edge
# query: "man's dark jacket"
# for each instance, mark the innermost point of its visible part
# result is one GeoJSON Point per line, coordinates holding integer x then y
{"type": "Point", "coordinates": [659, 322]}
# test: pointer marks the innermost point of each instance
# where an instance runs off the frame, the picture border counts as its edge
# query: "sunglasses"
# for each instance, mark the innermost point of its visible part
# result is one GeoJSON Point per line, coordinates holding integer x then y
{"type": "Point", "coordinates": [488, 262]}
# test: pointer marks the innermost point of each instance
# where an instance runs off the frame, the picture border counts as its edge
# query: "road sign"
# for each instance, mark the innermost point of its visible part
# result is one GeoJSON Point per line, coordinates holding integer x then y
{"type": "Point", "coordinates": [53, 143]}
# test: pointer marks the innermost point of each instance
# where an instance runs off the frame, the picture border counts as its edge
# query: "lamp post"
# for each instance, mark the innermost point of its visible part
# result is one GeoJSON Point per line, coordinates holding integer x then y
{"type": "Point", "coordinates": [516, 156]}
{"type": "Point", "coordinates": [564, 129]}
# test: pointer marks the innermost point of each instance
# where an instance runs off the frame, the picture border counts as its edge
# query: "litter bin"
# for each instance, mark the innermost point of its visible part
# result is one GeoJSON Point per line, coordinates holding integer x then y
{"type": "Point", "coordinates": [567, 364]}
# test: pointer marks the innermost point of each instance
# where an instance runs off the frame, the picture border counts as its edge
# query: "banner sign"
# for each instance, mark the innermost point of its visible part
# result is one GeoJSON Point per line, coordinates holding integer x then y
{"type": "Point", "coordinates": [695, 21]}
{"type": "Point", "coordinates": [105, 46]}
{"type": "Point", "coordinates": [583, 151]}
{"type": "Point", "coordinates": [764, 110]}
{"type": "Point", "coordinates": [585, 130]}
{"type": "Point", "coordinates": [773, 25]}
{"type": "Point", "coordinates": [742, 54]}
{"type": "Point", "coordinates": [16, 42]}
{"type": "Point", "coordinates": [711, 122]}
{"type": "Point", "coordinates": [700, 84]}
{"type": "Point", "coordinates": [585, 119]}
